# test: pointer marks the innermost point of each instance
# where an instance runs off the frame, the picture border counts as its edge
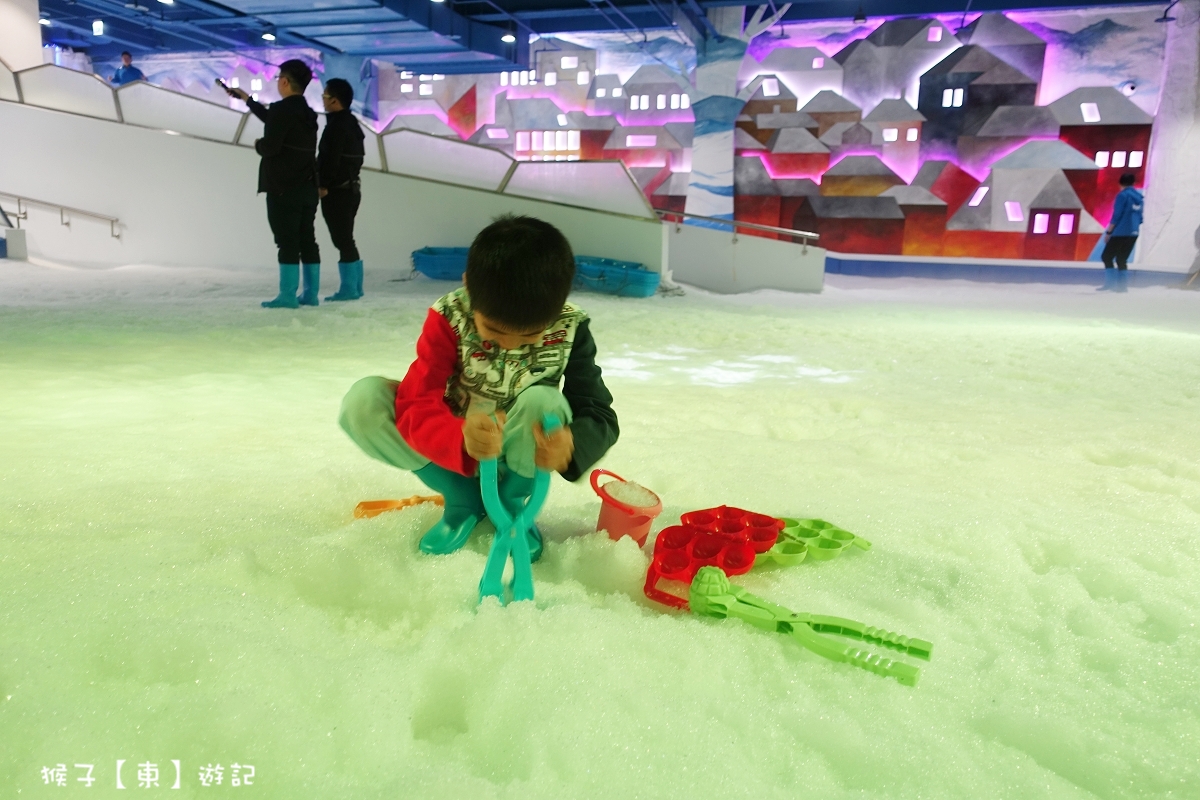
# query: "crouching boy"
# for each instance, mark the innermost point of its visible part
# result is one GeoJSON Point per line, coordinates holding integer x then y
{"type": "Point", "coordinates": [490, 361]}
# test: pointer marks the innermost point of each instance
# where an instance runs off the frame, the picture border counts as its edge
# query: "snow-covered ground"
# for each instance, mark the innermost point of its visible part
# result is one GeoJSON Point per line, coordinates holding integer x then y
{"type": "Point", "coordinates": [181, 577]}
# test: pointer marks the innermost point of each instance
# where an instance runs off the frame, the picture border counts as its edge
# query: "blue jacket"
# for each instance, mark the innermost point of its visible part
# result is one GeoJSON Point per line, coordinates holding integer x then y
{"type": "Point", "coordinates": [1127, 212]}
{"type": "Point", "coordinates": [126, 75]}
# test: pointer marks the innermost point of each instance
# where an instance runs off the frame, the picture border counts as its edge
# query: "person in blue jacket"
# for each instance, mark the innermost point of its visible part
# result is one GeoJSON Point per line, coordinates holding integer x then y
{"type": "Point", "coordinates": [127, 72]}
{"type": "Point", "coordinates": [1122, 233]}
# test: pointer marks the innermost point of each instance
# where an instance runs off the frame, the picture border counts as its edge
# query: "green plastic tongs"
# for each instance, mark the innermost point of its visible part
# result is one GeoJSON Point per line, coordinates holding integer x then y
{"type": "Point", "coordinates": [511, 531]}
{"type": "Point", "coordinates": [712, 595]}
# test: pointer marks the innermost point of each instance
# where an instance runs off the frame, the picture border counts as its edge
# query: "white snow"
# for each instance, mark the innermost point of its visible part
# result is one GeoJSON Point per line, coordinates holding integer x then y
{"type": "Point", "coordinates": [181, 576]}
{"type": "Point", "coordinates": [631, 494]}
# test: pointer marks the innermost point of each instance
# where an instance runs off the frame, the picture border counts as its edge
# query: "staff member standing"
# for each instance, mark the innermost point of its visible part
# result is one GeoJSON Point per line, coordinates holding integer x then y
{"type": "Point", "coordinates": [288, 175]}
{"type": "Point", "coordinates": [339, 160]}
{"type": "Point", "coordinates": [1122, 234]}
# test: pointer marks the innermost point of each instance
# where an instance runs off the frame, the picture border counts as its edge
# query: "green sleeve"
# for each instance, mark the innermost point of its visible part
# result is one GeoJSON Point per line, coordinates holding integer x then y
{"type": "Point", "coordinates": [594, 426]}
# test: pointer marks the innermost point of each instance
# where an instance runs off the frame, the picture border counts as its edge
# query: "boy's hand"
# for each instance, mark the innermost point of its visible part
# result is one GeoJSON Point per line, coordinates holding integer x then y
{"type": "Point", "coordinates": [483, 436]}
{"type": "Point", "coordinates": [554, 452]}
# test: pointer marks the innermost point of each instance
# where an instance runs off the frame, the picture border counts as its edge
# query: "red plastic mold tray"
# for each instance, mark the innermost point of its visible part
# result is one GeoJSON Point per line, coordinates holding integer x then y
{"type": "Point", "coordinates": [725, 537]}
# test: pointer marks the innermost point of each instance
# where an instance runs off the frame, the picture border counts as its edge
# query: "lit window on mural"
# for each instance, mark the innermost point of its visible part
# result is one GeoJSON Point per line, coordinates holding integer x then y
{"type": "Point", "coordinates": [890, 134]}
{"type": "Point", "coordinates": [1118, 158]}
{"type": "Point", "coordinates": [569, 62]}
{"type": "Point", "coordinates": [617, 90]}
{"type": "Point", "coordinates": [572, 140]}
{"type": "Point", "coordinates": [560, 140]}
{"type": "Point", "coordinates": [551, 79]}
{"type": "Point", "coordinates": [958, 98]}
{"type": "Point", "coordinates": [935, 34]}
{"type": "Point", "coordinates": [1090, 111]}
{"type": "Point", "coordinates": [684, 101]}
{"type": "Point", "coordinates": [536, 143]}
{"type": "Point", "coordinates": [1066, 223]}
{"type": "Point", "coordinates": [406, 76]}
{"type": "Point", "coordinates": [601, 92]}
{"type": "Point", "coordinates": [504, 79]}
{"type": "Point", "coordinates": [1013, 210]}
{"type": "Point", "coordinates": [524, 78]}
{"type": "Point", "coordinates": [911, 135]}
{"type": "Point", "coordinates": [583, 77]}
{"type": "Point", "coordinates": [641, 140]}
{"type": "Point", "coordinates": [234, 83]}
{"type": "Point", "coordinates": [1135, 159]}
{"type": "Point", "coordinates": [770, 87]}
{"type": "Point", "coordinates": [522, 140]}
{"type": "Point", "coordinates": [426, 89]}
{"type": "Point", "coordinates": [1102, 158]}
{"type": "Point", "coordinates": [497, 133]}
{"type": "Point", "coordinates": [548, 140]}
{"type": "Point", "coordinates": [1041, 223]}
{"type": "Point", "coordinates": [406, 87]}
{"type": "Point", "coordinates": [256, 84]}
{"type": "Point", "coordinates": [674, 101]}
{"type": "Point", "coordinates": [426, 77]}
{"type": "Point", "coordinates": [818, 63]}
{"type": "Point", "coordinates": [661, 102]}
{"type": "Point", "coordinates": [562, 119]}
{"type": "Point", "coordinates": [977, 198]}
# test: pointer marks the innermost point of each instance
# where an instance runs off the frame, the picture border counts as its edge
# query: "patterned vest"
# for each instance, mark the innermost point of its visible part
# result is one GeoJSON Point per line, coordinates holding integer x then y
{"type": "Point", "coordinates": [488, 378]}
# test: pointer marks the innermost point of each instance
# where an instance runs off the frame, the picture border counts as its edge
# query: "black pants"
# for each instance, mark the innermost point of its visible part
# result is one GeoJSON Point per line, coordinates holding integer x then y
{"type": "Point", "coordinates": [339, 207]}
{"type": "Point", "coordinates": [1119, 248]}
{"type": "Point", "coordinates": [291, 215]}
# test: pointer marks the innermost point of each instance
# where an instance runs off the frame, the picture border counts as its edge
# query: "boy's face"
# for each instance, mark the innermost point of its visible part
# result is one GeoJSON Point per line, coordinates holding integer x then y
{"type": "Point", "coordinates": [504, 337]}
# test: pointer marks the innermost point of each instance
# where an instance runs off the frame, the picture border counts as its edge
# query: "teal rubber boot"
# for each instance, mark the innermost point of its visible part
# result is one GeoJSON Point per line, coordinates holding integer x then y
{"type": "Point", "coordinates": [357, 268]}
{"type": "Point", "coordinates": [312, 285]}
{"type": "Point", "coordinates": [514, 492]}
{"type": "Point", "coordinates": [1110, 281]}
{"type": "Point", "coordinates": [346, 287]}
{"type": "Point", "coordinates": [289, 280]}
{"type": "Point", "coordinates": [1122, 281]}
{"type": "Point", "coordinates": [463, 509]}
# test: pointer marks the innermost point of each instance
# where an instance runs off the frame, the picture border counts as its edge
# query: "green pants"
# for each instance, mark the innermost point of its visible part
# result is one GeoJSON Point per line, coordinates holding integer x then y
{"type": "Point", "coordinates": [368, 417]}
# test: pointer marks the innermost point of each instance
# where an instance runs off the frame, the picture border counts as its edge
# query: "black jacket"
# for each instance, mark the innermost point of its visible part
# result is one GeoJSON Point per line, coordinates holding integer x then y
{"type": "Point", "coordinates": [288, 145]}
{"type": "Point", "coordinates": [340, 156]}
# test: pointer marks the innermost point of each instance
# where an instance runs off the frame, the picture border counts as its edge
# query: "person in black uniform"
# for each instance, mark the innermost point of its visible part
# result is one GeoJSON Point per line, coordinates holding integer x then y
{"type": "Point", "coordinates": [288, 175]}
{"type": "Point", "coordinates": [339, 159]}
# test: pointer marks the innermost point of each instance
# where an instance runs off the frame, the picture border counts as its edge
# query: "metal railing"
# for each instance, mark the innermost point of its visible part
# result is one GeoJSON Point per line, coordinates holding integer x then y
{"type": "Point", "coordinates": [64, 213]}
{"type": "Point", "coordinates": [804, 236]}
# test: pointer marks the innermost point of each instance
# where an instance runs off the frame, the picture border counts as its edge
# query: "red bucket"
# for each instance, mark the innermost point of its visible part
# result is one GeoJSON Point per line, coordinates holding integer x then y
{"type": "Point", "coordinates": [621, 519]}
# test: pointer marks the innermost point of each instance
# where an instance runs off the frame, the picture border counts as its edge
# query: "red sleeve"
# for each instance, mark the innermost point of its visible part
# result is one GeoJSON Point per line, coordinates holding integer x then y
{"type": "Point", "coordinates": [422, 416]}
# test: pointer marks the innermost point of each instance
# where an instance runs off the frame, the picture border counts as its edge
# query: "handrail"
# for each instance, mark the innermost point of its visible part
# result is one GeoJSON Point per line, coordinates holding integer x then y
{"type": "Point", "coordinates": [63, 212]}
{"type": "Point", "coordinates": [804, 236]}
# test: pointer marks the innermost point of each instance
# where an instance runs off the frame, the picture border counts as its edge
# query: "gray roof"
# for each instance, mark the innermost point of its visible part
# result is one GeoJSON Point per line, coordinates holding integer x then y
{"type": "Point", "coordinates": [784, 92]}
{"type": "Point", "coordinates": [841, 133]}
{"type": "Point", "coordinates": [581, 120]}
{"type": "Point", "coordinates": [533, 114]}
{"type": "Point", "coordinates": [796, 59]}
{"type": "Point", "coordinates": [929, 172]}
{"type": "Point", "coordinates": [795, 140]}
{"type": "Point", "coordinates": [643, 175]}
{"type": "Point", "coordinates": [899, 32]}
{"type": "Point", "coordinates": [913, 196]}
{"type": "Point", "coordinates": [1020, 121]}
{"type": "Point", "coordinates": [1057, 194]}
{"type": "Point", "coordinates": [855, 207]}
{"type": "Point", "coordinates": [652, 74]}
{"type": "Point", "coordinates": [674, 186]}
{"type": "Point", "coordinates": [1043, 154]}
{"type": "Point", "coordinates": [616, 140]}
{"type": "Point", "coordinates": [750, 178]}
{"type": "Point", "coordinates": [682, 132]}
{"type": "Point", "coordinates": [1114, 107]}
{"type": "Point", "coordinates": [828, 101]}
{"type": "Point", "coordinates": [795, 119]}
{"type": "Point", "coordinates": [744, 141]}
{"type": "Point", "coordinates": [996, 29]}
{"type": "Point", "coordinates": [862, 166]}
{"type": "Point", "coordinates": [798, 187]}
{"type": "Point", "coordinates": [894, 110]}
{"type": "Point", "coordinates": [425, 123]}
{"type": "Point", "coordinates": [606, 82]}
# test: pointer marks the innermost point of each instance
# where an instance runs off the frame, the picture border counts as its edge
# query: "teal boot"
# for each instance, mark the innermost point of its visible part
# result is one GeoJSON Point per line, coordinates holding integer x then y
{"type": "Point", "coordinates": [357, 268]}
{"type": "Point", "coordinates": [289, 280]}
{"type": "Point", "coordinates": [1122, 281]}
{"type": "Point", "coordinates": [463, 509]}
{"type": "Point", "coordinates": [312, 285]}
{"type": "Point", "coordinates": [1110, 281]}
{"type": "Point", "coordinates": [514, 493]}
{"type": "Point", "coordinates": [346, 287]}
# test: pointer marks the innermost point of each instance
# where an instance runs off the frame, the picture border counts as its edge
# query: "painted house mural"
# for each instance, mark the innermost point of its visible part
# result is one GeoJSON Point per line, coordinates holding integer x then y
{"type": "Point", "coordinates": [952, 135]}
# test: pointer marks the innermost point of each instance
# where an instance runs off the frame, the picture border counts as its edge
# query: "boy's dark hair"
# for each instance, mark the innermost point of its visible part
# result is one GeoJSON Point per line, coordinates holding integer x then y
{"type": "Point", "coordinates": [297, 73]}
{"type": "Point", "coordinates": [126, 53]}
{"type": "Point", "coordinates": [340, 90]}
{"type": "Point", "coordinates": [1127, 179]}
{"type": "Point", "coordinates": [519, 272]}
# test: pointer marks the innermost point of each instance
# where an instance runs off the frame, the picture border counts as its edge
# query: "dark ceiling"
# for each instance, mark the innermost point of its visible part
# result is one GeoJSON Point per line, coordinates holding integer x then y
{"type": "Point", "coordinates": [453, 36]}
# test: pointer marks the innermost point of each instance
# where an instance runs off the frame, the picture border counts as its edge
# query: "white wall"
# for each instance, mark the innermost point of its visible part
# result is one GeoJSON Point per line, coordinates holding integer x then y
{"type": "Point", "coordinates": [1170, 234]}
{"type": "Point", "coordinates": [188, 202]}
{"type": "Point", "coordinates": [717, 261]}
{"type": "Point", "coordinates": [20, 34]}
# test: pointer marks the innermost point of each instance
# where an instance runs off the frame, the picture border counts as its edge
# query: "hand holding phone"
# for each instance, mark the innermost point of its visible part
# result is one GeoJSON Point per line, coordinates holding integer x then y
{"type": "Point", "coordinates": [238, 93]}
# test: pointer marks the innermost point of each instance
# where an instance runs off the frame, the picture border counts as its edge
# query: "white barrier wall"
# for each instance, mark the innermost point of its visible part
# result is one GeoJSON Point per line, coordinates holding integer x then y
{"type": "Point", "coordinates": [718, 261]}
{"type": "Point", "coordinates": [424, 155]}
{"type": "Point", "coordinates": [65, 89]}
{"type": "Point", "coordinates": [188, 202]}
{"type": "Point", "coordinates": [604, 185]}
{"type": "Point", "coordinates": [8, 84]}
{"type": "Point", "coordinates": [154, 107]}
{"type": "Point", "coordinates": [20, 34]}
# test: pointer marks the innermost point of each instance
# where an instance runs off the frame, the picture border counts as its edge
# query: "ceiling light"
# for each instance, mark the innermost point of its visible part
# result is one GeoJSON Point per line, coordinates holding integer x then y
{"type": "Point", "coordinates": [508, 38]}
{"type": "Point", "coordinates": [1166, 17]}
{"type": "Point", "coordinates": [437, 1]}
{"type": "Point", "coordinates": [98, 28]}
{"type": "Point", "coordinates": [167, 2]}
{"type": "Point", "coordinates": [268, 37]}
{"type": "Point", "coordinates": [44, 21]}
